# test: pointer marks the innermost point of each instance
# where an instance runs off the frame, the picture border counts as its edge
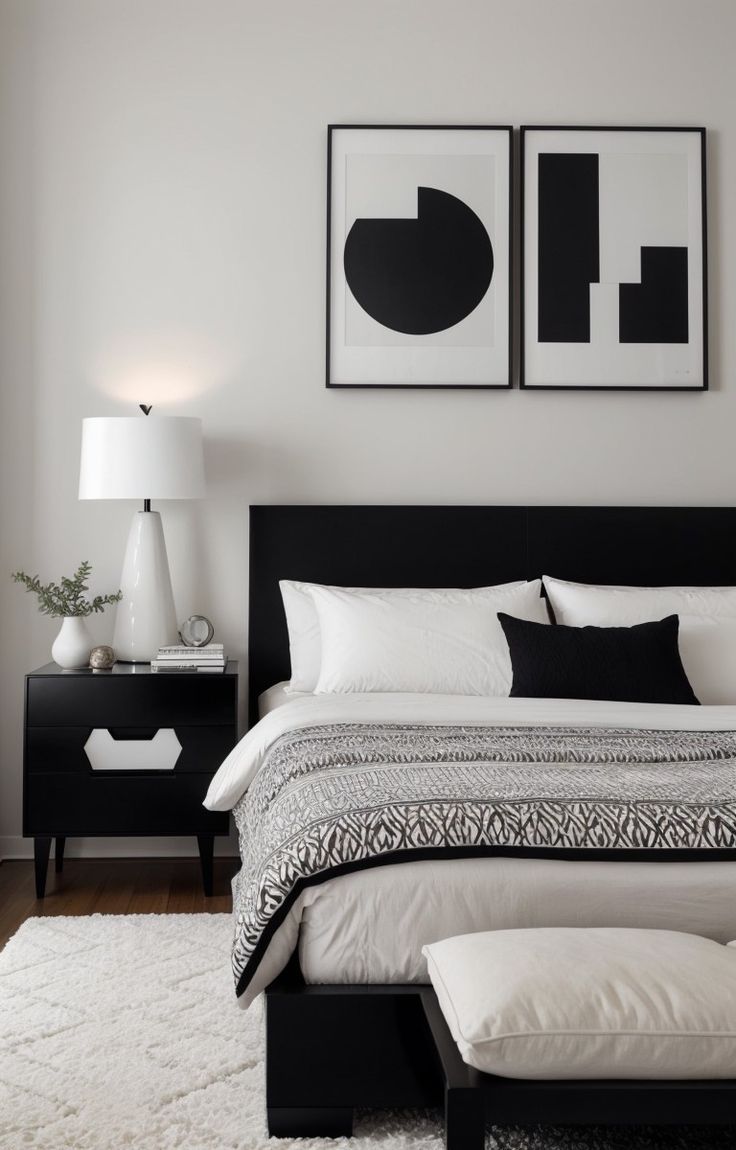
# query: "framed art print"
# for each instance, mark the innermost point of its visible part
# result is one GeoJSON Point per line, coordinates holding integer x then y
{"type": "Point", "coordinates": [418, 256]}
{"type": "Point", "coordinates": [613, 258]}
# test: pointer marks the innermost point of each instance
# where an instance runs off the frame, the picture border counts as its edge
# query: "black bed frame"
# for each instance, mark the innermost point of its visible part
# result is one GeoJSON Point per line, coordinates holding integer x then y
{"type": "Point", "coordinates": [331, 1049]}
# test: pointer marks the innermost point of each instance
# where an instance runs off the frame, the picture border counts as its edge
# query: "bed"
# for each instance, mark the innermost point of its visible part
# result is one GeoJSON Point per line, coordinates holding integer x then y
{"type": "Point", "coordinates": [343, 981]}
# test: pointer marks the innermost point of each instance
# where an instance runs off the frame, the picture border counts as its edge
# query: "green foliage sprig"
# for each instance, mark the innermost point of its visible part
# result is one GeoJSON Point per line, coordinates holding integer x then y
{"type": "Point", "coordinates": [68, 597]}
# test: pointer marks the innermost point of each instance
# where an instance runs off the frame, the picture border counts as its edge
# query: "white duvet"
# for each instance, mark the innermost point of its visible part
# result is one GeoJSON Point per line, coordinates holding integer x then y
{"type": "Point", "coordinates": [242, 764]}
{"type": "Point", "coordinates": [370, 926]}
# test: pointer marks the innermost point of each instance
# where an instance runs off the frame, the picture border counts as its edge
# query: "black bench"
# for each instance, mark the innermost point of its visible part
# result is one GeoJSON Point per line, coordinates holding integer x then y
{"type": "Point", "coordinates": [473, 1099]}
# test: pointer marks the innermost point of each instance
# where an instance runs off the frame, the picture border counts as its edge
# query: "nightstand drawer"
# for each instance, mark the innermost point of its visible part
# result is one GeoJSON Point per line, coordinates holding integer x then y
{"type": "Point", "coordinates": [61, 750]}
{"type": "Point", "coordinates": [118, 701]}
{"type": "Point", "coordinates": [77, 804]}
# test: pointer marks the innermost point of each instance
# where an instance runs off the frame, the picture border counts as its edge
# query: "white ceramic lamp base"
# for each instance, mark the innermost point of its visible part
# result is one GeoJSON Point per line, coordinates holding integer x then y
{"type": "Point", "coordinates": [145, 619]}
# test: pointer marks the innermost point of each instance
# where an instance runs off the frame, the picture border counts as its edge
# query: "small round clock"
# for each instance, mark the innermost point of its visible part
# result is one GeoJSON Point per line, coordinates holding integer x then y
{"type": "Point", "coordinates": [196, 631]}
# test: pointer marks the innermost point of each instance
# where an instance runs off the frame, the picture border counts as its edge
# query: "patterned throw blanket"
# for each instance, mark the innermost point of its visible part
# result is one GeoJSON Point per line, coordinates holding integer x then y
{"type": "Point", "coordinates": [330, 799]}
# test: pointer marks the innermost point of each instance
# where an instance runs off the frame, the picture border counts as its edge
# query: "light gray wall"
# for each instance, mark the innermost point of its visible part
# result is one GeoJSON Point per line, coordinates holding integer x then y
{"type": "Point", "coordinates": [162, 191]}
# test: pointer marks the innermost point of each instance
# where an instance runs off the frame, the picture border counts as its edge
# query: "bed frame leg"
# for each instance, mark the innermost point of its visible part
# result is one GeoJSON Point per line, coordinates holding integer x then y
{"type": "Point", "coordinates": [309, 1122]}
{"type": "Point", "coordinates": [465, 1118]}
{"type": "Point", "coordinates": [206, 844]}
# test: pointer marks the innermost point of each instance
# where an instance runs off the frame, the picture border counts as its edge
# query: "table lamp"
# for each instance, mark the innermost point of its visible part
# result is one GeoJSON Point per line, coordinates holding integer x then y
{"type": "Point", "coordinates": [143, 457]}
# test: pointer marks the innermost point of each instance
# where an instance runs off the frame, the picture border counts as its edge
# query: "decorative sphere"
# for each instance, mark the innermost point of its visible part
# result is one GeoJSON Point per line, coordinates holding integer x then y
{"type": "Point", "coordinates": [101, 658]}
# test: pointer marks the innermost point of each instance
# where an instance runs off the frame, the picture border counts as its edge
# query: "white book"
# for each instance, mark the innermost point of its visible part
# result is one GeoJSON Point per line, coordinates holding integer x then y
{"type": "Point", "coordinates": [219, 660]}
{"type": "Point", "coordinates": [182, 649]}
{"type": "Point", "coordinates": [186, 668]}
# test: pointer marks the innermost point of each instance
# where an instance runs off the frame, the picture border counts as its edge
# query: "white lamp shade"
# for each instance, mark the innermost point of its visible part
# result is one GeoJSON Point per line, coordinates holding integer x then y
{"type": "Point", "coordinates": [142, 457]}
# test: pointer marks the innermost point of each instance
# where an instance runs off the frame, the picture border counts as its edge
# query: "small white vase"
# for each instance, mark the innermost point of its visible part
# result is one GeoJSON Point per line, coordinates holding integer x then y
{"type": "Point", "coordinates": [73, 644]}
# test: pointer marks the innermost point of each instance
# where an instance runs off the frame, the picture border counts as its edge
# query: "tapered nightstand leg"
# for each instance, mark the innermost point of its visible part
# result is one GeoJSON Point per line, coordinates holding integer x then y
{"type": "Point", "coordinates": [41, 852]}
{"type": "Point", "coordinates": [206, 844]}
{"type": "Point", "coordinates": [59, 856]}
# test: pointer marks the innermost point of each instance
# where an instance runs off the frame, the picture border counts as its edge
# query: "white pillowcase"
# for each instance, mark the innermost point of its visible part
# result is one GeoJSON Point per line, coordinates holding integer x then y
{"type": "Point", "coordinates": [707, 624]}
{"type": "Point", "coordinates": [305, 647]}
{"type": "Point", "coordinates": [446, 642]}
{"type": "Point", "coordinates": [603, 1002]}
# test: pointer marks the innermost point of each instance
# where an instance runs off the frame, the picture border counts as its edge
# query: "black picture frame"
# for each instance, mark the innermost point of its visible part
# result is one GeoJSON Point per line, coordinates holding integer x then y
{"type": "Point", "coordinates": [702, 278]}
{"type": "Point", "coordinates": [446, 384]}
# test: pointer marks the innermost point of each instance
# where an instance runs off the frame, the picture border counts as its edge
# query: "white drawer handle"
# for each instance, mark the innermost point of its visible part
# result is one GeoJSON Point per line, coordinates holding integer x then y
{"type": "Point", "coordinates": [160, 753]}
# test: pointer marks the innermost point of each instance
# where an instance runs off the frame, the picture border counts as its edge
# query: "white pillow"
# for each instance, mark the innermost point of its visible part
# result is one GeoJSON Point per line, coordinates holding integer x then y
{"type": "Point", "coordinates": [565, 1002]}
{"type": "Point", "coordinates": [439, 642]}
{"type": "Point", "coordinates": [305, 648]}
{"type": "Point", "coordinates": [707, 624]}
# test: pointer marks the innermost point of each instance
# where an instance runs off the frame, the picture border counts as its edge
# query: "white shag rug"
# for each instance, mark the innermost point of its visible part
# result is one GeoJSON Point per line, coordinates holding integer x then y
{"type": "Point", "coordinates": [121, 1032]}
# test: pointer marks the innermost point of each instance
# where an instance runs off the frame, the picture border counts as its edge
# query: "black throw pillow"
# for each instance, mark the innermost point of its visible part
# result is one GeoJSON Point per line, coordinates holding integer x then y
{"type": "Point", "coordinates": [639, 664]}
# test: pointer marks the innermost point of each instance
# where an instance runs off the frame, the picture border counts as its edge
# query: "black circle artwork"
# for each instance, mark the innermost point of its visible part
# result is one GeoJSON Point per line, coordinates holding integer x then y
{"type": "Point", "coordinates": [423, 275]}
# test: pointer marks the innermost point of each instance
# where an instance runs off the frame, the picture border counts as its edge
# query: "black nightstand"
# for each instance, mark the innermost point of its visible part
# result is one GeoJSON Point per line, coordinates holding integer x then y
{"type": "Point", "coordinates": [124, 752]}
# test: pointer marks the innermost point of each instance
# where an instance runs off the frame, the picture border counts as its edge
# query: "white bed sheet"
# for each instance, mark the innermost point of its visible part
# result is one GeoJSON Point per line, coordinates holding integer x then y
{"type": "Point", "coordinates": [370, 926]}
{"type": "Point", "coordinates": [276, 696]}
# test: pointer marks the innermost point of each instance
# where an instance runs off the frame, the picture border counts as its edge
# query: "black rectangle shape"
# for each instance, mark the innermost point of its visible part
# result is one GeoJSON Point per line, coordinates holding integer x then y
{"type": "Point", "coordinates": [607, 1102]}
{"type": "Point", "coordinates": [60, 750]}
{"type": "Point", "coordinates": [390, 1063]}
{"type": "Point", "coordinates": [656, 310]}
{"type": "Point", "coordinates": [119, 701]}
{"type": "Point", "coordinates": [112, 804]}
{"type": "Point", "coordinates": [569, 245]}
{"type": "Point", "coordinates": [635, 546]}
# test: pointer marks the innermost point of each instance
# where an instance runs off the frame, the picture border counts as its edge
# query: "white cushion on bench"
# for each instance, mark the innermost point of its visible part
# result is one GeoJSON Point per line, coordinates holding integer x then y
{"type": "Point", "coordinates": [589, 1003]}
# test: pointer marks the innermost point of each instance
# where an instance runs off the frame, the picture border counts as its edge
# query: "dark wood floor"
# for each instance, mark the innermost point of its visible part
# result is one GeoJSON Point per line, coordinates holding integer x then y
{"type": "Point", "coordinates": [111, 886]}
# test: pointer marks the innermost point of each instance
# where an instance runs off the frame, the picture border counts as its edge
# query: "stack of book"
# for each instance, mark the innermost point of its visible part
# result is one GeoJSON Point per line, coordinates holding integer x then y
{"type": "Point", "coordinates": [210, 659]}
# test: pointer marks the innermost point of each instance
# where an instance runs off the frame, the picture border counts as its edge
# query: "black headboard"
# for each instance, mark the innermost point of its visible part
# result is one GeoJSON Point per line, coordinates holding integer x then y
{"type": "Point", "coordinates": [470, 547]}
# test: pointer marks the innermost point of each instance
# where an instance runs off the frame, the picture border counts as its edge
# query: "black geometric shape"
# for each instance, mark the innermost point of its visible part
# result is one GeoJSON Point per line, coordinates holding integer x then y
{"type": "Point", "coordinates": [568, 246]}
{"type": "Point", "coordinates": [655, 311]}
{"type": "Point", "coordinates": [422, 275]}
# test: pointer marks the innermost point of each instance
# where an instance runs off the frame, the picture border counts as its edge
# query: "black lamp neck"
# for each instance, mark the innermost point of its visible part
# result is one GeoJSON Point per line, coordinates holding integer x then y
{"type": "Point", "coordinates": [146, 504]}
